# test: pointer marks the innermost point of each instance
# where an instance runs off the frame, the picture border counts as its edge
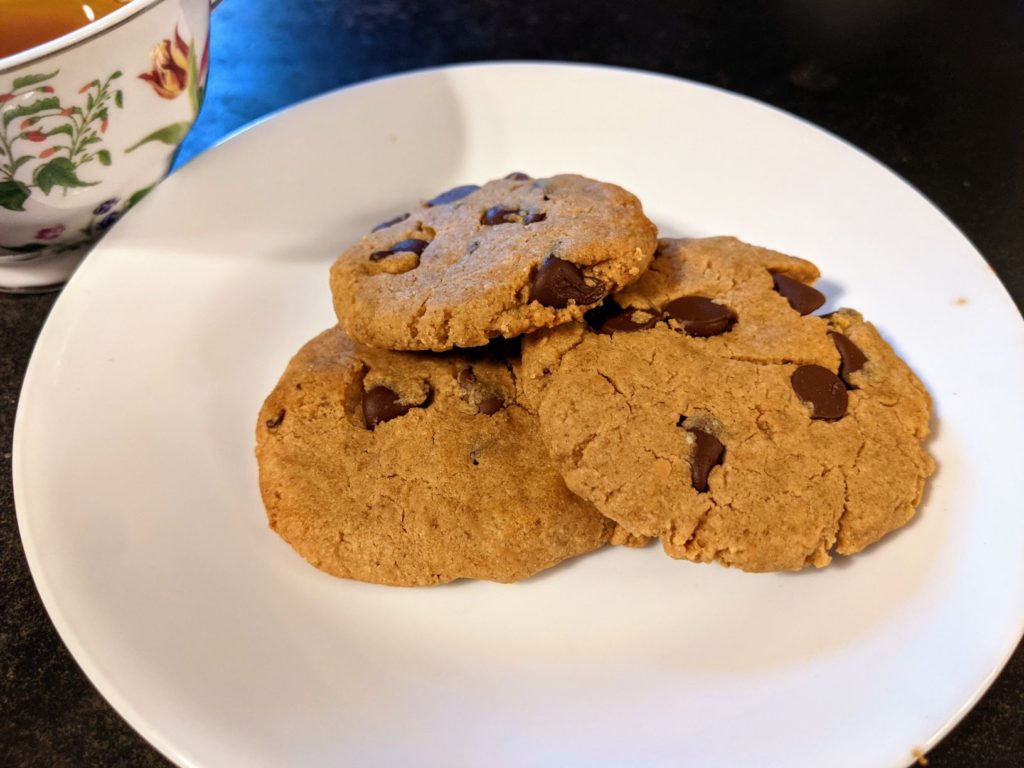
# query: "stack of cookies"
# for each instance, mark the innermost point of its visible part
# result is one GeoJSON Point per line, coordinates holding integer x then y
{"type": "Point", "coordinates": [522, 373]}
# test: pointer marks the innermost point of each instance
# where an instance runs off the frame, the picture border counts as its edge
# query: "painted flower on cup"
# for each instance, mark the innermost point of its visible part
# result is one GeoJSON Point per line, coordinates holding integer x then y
{"type": "Point", "coordinates": [108, 221]}
{"type": "Point", "coordinates": [50, 233]}
{"type": "Point", "coordinates": [174, 66]}
{"type": "Point", "coordinates": [177, 68]}
{"type": "Point", "coordinates": [105, 206]}
{"type": "Point", "coordinates": [169, 76]}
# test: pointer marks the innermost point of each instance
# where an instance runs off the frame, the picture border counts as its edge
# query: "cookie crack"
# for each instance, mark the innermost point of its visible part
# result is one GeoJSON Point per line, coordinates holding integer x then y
{"type": "Point", "coordinates": [618, 391]}
{"type": "Point", "coordinates": [845, 471]}
{"type": "Point", "coordinates": [701, 522]}
{"type": "Point", "coordinates": [446, 325]}
{"type": "Point", "coordinates": [766, 361]}
{"type": "Point", "coordinates": [414, 321]}
{"type": "Point", "coordinates": [512, 373]}
{"type": "Point", "coordinates": [581, 447]}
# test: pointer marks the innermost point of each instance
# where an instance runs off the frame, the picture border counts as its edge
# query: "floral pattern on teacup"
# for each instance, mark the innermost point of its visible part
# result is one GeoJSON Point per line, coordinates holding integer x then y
{"type": "Point", "coordinates": [104, 216]}
{"type": "Point", "coordinates": [176, 71]}
{"type": "Point", "coordinates": [71, 136]}
{"type": "Point", "coordinates": [46, 142]}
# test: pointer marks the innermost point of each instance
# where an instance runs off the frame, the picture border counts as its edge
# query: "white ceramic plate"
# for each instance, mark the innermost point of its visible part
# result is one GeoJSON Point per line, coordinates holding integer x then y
{"type": "Point", "coordinates": [136, 484]}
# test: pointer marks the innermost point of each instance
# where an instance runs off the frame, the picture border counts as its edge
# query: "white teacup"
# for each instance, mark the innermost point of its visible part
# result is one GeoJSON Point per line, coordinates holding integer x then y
{"type": "Point", "coordinates": [89, 123]}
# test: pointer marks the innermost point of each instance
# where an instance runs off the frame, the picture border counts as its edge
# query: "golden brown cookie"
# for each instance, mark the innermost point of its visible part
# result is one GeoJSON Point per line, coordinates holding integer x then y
{"type": "Point", "coordinates": [477, 263]}
{"type": "Point", "coordinates": [406, 469]}
{"type": "Point", "coordinates": [709, 408]}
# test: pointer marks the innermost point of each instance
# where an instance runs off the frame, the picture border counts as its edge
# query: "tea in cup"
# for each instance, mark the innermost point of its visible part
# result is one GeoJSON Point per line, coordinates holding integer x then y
{"type": "Point", "coordinates": [28, 23]}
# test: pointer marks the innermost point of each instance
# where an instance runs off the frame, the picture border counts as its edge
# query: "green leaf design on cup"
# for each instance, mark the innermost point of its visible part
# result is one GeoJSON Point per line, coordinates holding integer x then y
{"type": "Point", "coordinates": [13, 195]}
{"type": "Point", "coordinates": [172, 134]}
{"type": "Point", "coordinates": [27, 248]}
{"type": "Point", "coordinates": [27, 110]}
{"type": "Point", "coordinates": [27, 80]}
{"type": "Point", "coordinates": [29, 131]}
{"type": "Point", "coordinates": [59, 172]}
{"type": "Point", "coordinates": [137, 197]}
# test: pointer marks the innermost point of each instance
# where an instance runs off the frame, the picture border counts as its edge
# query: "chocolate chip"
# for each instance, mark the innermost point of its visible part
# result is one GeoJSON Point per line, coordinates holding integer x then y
{"type": "Point", "coordinates": [518, 176]}
{"type": "Point", "coordinates": [610, 318]}
{"type": "Point", "coordinates": [707, 454]}
{"type": "Point", "coordinates": [627, 322]}
{"type": "Point", "coordinates": [275, 421]}
{"type": "Point", "coordinates": [558, 282]}
{"type": "Point", "coordinates": [700, 316]}
{"type": "Point", "coordinates": [389, 222]}
{"type": "Point", "coordinates": [381, 404]}
{"type": "Point", "coordinates": [822, 389]}
{"type": "Point", "coordinates": [802, 298]}
{"type": "Point", "coordinates": [412, 246]}
{"type": "Point", "coordinates": [490, 405]}
{"type": "Point", "coordinates": [499, 214]}
{"type": "Point", "coordinates": [457, 193]}
{"type": "Point", "coordinates": [852, 358]}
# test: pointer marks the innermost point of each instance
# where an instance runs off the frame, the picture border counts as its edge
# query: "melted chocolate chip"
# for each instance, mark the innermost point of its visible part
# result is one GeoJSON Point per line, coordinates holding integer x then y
{"type": "Point", "coordinates": [412, 245]}
{"type": "Point", "coordinates": [700, 316]}
{"type": "Point", "coordinates": [852, 358]}
{"type": "Point", "coordinates": [802, 298]}
{"type": "Point", "coordinates": [707, 454]}
{"type": "Point", "coordinates": [558, 282]}
{"type": "Point", "coordinates": [500, 214]}
{"type": "Point", "coordinates": [596, 317]}
{"type": "Point", "coordinates": [456, 193]}
{"type": "Point", "coordinates": [275, 421]}
{"type": "Point", "coordinates": [627, 321]}
{"type": "Point", "coordinates": [389, 222]}
{"type": "Point", "coordinates": [518, 176]}
{"type": "Point", "coordinates": [490, 405]}
{"type": "Point", "coordinates": [610, 318]}
{"type": "Point", "coordinates": [822, 389]}
{"type": "Point", "coordinates": [381, 404]}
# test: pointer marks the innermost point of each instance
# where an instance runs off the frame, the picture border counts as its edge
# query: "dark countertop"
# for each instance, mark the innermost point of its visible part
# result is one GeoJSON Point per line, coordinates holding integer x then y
{"type": "Point", "coordinates": [935, 90]}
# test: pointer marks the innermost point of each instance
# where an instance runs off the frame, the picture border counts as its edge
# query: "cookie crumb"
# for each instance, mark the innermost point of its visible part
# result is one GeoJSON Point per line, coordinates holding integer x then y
{"type": "Point", "coordinates": [960, 301]}
{"type": "Point", "coordinates": [919, 756]}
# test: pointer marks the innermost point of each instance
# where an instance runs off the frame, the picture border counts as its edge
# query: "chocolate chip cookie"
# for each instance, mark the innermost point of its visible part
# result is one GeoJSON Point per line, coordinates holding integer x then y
{"type": "Point", "coordinates": [705, 405]}
{"type": "Point", "coordinates": [476, 263]}
{"type": "Point", "coordinates": [407, 469]}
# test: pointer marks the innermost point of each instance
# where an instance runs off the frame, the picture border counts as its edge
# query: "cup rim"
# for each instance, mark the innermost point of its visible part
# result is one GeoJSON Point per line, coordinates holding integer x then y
{"type": "Point", "coordinates": [76, 37]}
